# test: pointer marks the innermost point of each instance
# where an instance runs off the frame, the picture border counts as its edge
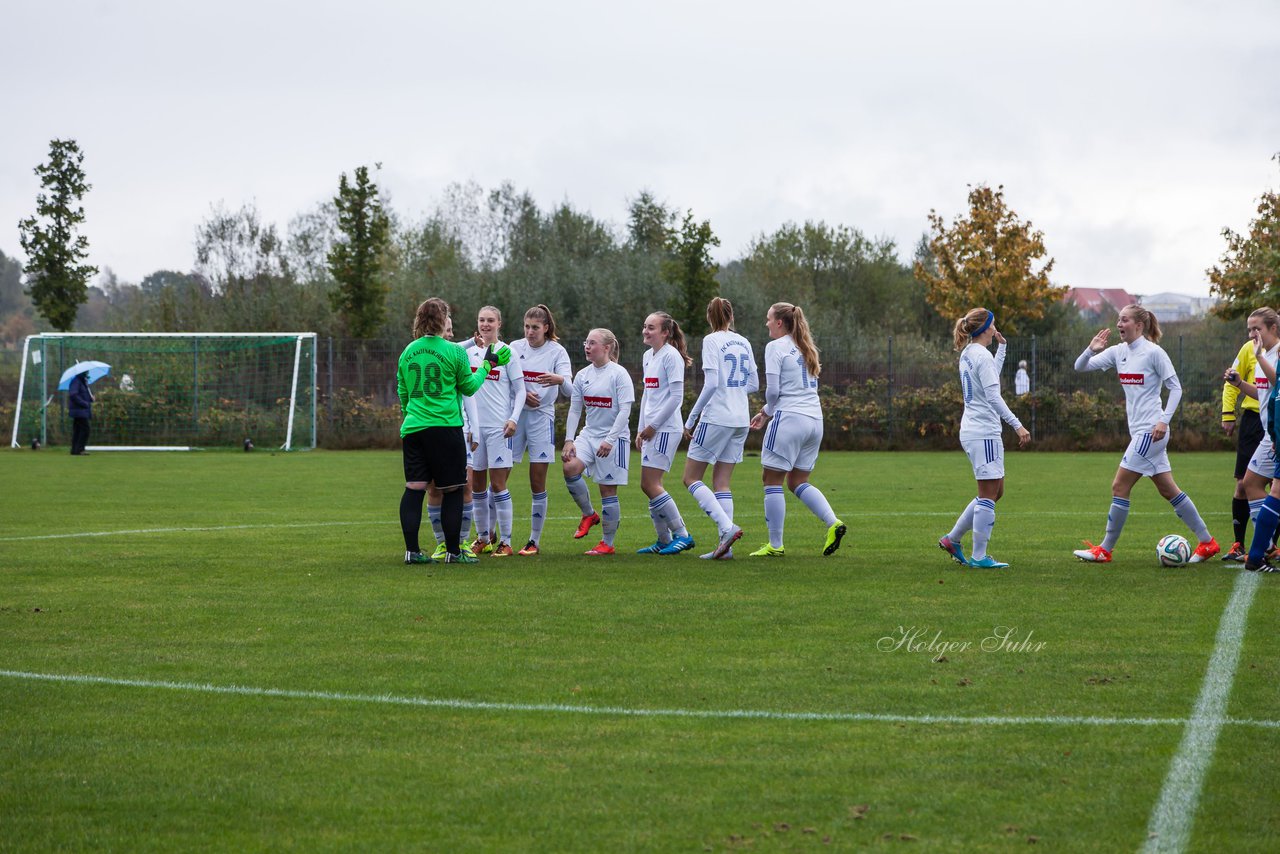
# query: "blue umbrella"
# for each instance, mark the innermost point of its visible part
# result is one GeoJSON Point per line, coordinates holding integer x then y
{"type": "Point", "coordinates": [95, 370]}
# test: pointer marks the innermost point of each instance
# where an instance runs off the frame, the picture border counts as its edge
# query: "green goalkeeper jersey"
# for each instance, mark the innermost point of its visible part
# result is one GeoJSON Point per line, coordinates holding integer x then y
{"type": "Point", "coordinates": [432, 375]}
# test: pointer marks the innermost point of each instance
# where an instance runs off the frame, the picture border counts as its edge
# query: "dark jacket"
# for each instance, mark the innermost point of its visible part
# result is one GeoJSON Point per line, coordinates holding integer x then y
{"type": "Point", "coordinates": [80, 402]}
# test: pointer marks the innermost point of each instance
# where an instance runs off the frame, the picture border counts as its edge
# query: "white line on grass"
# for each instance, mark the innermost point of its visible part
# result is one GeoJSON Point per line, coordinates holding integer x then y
{"type": "Point", "coordinates": [1169, 827]}
{"type": "Point", "coordinates": [559, 708]}
{"type": "Point", "coordinates": [887, 514]}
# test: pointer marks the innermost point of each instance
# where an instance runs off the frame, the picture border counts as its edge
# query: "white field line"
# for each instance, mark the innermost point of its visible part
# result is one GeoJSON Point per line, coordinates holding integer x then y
{"type": "Point", "coordinates": [1169, 828]}
{"type": "Point", "coordinates": [617, 711]}
{"type": "Point", "coordinates": [888, 514]}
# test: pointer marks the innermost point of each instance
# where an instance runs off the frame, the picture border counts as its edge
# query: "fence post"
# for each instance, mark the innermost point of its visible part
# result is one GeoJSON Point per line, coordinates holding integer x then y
{"type": "Point", "coordinates": [889, 426]}
{"type": "Point", "coordinates": [329, 402]}
{"type": "Point", "coordinates": [1033, 387]}
{"type": "Point", "coordinates": [1181, 372]}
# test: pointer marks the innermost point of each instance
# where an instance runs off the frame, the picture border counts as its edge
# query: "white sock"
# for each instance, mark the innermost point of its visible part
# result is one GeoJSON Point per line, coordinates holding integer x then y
{"type": "Point", "coordinates": [1116, 518]}
{"type": "Point", "coordinates": [670, 512]}
{"type": "Point", "coordinates": [775, 513]}
{"type": "Point", "coordinates": [816, 502]}
{"type": "Point", "coordinates": [610, 518]}
{"type": "Point", "coordinates": [433, 513]}
{"type": "Point", "coordinates": [466, 522]}
{"type": "Point", "coordinates": [506, 515]}
{"type": "Point", "coordinates": [581, 495]}
{"type": "Point", "coordinates": [659, 519]}
{"type": "Point", "coordinates": [710, 505]}
{"type": "Point", "coordinates": [984, 519]}
{"type": "Point", "coordinates": [1254, 507]}
{"type": "Point", "coordinates": [964, 523]}
{"type": "Point", "coordinates": [480, 510]}
{"type": "Point", "coordinates": [726, 502]}
{"type": "Point", "coordinates": [537, 516]}
{"type": "Point", "coordinates": [1187, 512]}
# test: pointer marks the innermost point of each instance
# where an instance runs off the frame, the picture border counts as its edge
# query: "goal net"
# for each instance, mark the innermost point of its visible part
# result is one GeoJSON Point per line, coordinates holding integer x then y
{"type": "Point", "coordinates": [174, 391]}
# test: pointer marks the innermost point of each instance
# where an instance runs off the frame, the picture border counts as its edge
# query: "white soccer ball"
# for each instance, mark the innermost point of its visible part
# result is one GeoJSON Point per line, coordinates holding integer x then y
{"type": "Point", "coordinates": [1173, 550]}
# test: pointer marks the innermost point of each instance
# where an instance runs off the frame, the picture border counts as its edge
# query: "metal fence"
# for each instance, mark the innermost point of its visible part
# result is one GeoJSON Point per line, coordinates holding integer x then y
{"type": "Point", "coordinates": [890, 392]}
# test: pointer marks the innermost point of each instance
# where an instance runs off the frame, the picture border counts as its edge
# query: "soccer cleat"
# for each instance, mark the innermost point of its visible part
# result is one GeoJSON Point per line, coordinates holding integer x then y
{"type": "Point", "coordinates": [1273, 554]}
{"type": "Point", "coordinates": [462, 556]}
{"type": "Point", "coordinates": [953, 548]}
{"type": "Point", "coordinates": [438, 555]}
{"type": "Point", "coordinates": [725, 546]}
{"type": "Point", "coordinates": [728, 555]}
{"type": "Point", "coordinates": [530, 548]}
{"type": "Point", "coordinates": [834, 535]}
{"type": "Point", "coordinates": [1265, 566]}
{"type": "Point", "coordinates": [587, 523]}
{"type": "Point", "coordinates": [417, 557]}
{"type": "Point", "coordinates": [479, 546]}
{"type": "Point", "coordinates": [1093, 554]}
{"type": "Point", "coordinates": [1204, 551]}
{"type": "Point", "coordinates": [502, 550]}
{"type": "Point", "coordinates": [677, 545]}
{"type": "Point", "coordinates": [600, 548]}
{"type": "Point", "coordinates": [1236, 555]}
{"type": "Point", "coordinates": [768, 551]}
{"type": "Point", "coordinates": [654, 549]}
{"type": "Point", "coordinates": [987, 562]}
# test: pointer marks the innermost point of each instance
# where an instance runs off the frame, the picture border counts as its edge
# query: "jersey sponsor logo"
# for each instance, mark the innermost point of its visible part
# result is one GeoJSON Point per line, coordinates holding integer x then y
{"type": "Point", "coordinates": [650, 382]}
{"type": "Point", "coordinates": [1133, 379]}
{"type": "Point", "coordinates": [1261, 382]}
{"type": "Point", "coordinates": [602, 402]}
{"type": "Point", "coordinates": [494, 374]}
{"type": "Point", "coordinates": [531, 375]}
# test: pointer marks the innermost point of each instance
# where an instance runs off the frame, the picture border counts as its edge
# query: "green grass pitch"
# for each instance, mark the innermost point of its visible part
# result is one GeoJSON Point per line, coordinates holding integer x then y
{"type": "Point", "coordinates": [270, 675]}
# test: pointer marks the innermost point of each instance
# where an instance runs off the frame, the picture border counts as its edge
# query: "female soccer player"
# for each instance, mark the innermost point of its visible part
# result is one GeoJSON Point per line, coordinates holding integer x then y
{"type": "Point", "coordinates": [603, 389]}
{"type": "Point", "coordinates": [1264, 334]}
{"type": "Point", "coordinates": [1143, 367]}
{"type": "Point", "coordinates": [431, 376]}
{"type": "Point", "coordinates": [435, 496]}
{"type": "Point", "coordinates": [659, 428]}
{"type": "Point", "coordinates": [984, 409]}
{"type": "Point", "coordinates": [543, 364]}
{"type": "Point", "coordinates": [791, 369]}
{"type": "Point", "coordinates": [1248, 431]}
{"type": "Point", "coordinates": [721, 415]}
{"type": "Point", "coordinates": [498, 404]}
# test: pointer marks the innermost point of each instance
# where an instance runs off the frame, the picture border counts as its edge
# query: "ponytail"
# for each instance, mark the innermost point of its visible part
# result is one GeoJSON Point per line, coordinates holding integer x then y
{"type": "Point", "coordinates": [542, 314]}
{"type": "Point", "coordinates": [1150, 326]}
{"type": "Point", "coordinates": [792, 317]}
{"type": "Point", "coordinates": [973, 323]}
{"type": "Point", "coordinates": [719, 314]}
{"type": "Point", "coordinates": [675, 335]}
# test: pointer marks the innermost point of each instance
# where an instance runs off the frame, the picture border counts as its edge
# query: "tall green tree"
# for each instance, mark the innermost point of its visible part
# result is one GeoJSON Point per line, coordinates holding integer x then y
{"type": "Point", "coordinates": [989, 258]}
{"type": "Point", "coordinates": [57, 278]}
{"type": "Point", "coordinates": [1248, 274]}
{"type": "Point", "coordinates": [357, 255]}
{"type": "Point", "coordinates": [690, 269]}
{"type": "Point", "coordinates": [650, 223]}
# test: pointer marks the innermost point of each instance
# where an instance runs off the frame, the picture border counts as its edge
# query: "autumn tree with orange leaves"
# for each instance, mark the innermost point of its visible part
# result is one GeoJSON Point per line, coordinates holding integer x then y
{"type": "Point", "coordinates": [989, 258]}
{"type": "Point", "coordinates": [1248, 274]}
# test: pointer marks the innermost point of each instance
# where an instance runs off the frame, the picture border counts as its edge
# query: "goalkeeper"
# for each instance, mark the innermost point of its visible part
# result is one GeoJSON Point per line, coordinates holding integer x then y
{"type": "Point", "coordinates": [432, 376]}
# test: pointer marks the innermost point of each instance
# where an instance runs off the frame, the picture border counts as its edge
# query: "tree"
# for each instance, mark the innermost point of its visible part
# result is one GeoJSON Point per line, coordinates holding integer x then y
{"type": "Point", "coordinates": [650, 224]}
{"type": "Point", "coordinates": [1249, 271]}
{"type": "Point", "coordinates": [356, 257]}
{"type": "Point", "coordinates": [988, 259]}
{"type": "Point", "coordinates": [57, 280]}
{"type": "Point", "coordinates": [12, 297]}
{"type": "Point", "coordinates": [690, 268]}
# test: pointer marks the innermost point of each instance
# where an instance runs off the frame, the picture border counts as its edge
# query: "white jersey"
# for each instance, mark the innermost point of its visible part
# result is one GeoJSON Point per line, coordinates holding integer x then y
{"type": "Point", "coordinates": [529, 363]}
{"type": "Point", "coordinates": [602, 392]}
{"type": "Point", "coordinates": [797, 391]}
{"type": "Point", "coordinates": [1265, 389]}
{"type": "Point", "coordinates": [1143, 368]}
{"type": "Point", "coordinates": [730, 355]}
{"type": "Point", "coordinates": [662, 367]}
{"type": "Point", "coordinates": [494, 400]}
{"type": "Point", "coordinates": [978, 373]}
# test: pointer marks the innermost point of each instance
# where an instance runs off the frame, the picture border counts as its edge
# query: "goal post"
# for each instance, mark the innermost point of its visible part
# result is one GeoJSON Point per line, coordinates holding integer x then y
{"type": "Point", "coordinates": [174, 390]}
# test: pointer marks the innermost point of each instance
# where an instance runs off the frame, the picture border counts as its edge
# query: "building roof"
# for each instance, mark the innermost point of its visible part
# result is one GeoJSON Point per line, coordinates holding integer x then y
{"type": "Point", "coordinates": [1100, 300]}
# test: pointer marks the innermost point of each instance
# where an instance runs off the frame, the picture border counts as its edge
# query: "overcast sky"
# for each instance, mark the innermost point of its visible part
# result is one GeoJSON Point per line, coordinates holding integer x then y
{"type": "Point", "coordinates": [1131, 133]}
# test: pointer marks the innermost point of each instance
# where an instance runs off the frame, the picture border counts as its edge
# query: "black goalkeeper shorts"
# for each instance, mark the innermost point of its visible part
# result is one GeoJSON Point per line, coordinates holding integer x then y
{"type": "Point", "coordinates": [435, 454]}
{"type": "Point", "coordinates": [1248, 437]}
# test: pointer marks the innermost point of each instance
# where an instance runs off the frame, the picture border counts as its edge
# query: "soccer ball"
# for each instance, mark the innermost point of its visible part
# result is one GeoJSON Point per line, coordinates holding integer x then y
{"type": "Point", "coordinates": [1173, 550]}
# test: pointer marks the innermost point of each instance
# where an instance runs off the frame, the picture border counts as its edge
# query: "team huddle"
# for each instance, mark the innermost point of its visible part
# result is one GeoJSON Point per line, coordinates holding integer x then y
{"type": "Point", "coordinates": [1144, 370]}
{"type": "Point", "coordinates": [473, 410]}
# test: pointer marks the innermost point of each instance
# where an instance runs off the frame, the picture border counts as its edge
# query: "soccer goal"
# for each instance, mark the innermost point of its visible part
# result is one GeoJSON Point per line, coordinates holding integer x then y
{"type": "Point", "coordinates": [174, 391]}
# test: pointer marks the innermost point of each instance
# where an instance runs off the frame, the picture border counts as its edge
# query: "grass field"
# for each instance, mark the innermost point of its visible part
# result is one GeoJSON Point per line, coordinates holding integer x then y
{"type": "Point", "coordinates": [225, 651]}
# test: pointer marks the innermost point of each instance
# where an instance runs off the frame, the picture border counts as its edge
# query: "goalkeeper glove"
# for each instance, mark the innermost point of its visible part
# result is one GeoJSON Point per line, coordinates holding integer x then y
{"type": "Point", "coordinates": [498, 357]}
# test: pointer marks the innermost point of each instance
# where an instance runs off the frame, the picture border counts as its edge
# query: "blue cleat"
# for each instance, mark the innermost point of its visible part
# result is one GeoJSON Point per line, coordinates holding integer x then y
{"type": "Point", "coordinates": [987, 562]}
{"type": "Point", "coordinates": [654, 549]}
{"type": "Point", "coordinates": [953, 548]}
{"type": "Point", "coordinates": [677, 545]}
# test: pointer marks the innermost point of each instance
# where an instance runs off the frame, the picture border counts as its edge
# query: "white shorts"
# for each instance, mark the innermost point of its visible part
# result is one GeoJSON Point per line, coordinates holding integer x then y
{"type": "Point", "coordinates": [1263, 461]}
{"type": "Point", "coordinates": [610, 470]}
{"type": "Point", "coordinates": [535, 432]}
{"type": "Point", "coordinates": [715, 443]}
{"type": "Point", "coordinates": [658, 451]}
{"type": "Point", "coordinates": [791, 442]}
{"type": "Point", "coordinates": [494, 451]}
{"type": "Point", "coordinates": [986, 456]}
{"type": "Point", "coordinates": [1146, 456]}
